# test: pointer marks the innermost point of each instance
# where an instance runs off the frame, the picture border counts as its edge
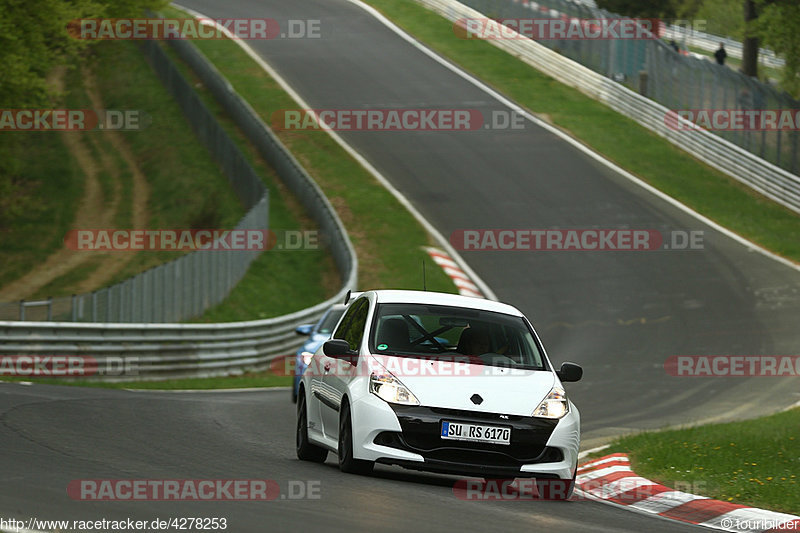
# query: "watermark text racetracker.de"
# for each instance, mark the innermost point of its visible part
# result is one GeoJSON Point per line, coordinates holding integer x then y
{"type": "Point", "coordinates": [148, 490]}
{"type": "Point", "coordinates": [184, 240]}
{"type": "Point", "coordinates": [733, 119]}
{"type": "Point", "coordinates": [65, 366]}
{"type": "Point", "coordinates": [178, 523]}
{"type": "Point", "coordinates": [532, 489]}
{"type": "Point", "coordinates": [73, 119]}
{"type": "Point", "coordinates": [397, 119]}
{"type": "Point", "coordinates": [138, 29]}
{"type": "Point", "coordinates": [589, 239]}
{"type": "Point", "coordinates": [545, 29]}
{"type": "Point", "coordinates": [443, 365]}
{"type": "Point", "coordinates": [726, 366]}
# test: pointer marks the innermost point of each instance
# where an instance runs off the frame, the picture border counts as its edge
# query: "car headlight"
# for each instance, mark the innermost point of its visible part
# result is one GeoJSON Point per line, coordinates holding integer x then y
{"type": "Point", "coordinates": [306, 357]}
{"type": "Point", "coordinates": [555, 405]}
{"type": "Point", "coordinates": [390, 389]}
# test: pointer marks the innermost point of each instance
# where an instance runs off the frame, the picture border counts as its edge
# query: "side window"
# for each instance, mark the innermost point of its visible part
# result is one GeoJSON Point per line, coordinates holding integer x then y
{"type": "Point", "coordinates": [353, 324]}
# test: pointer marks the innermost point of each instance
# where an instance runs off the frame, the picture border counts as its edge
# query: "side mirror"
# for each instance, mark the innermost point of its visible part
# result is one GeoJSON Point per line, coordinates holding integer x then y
{"type": "Point", "coordinates": [569, 372]}
{"type": "Point", "coordinates": [338, 349]}
{"type": "Point", "coordinates": [305, 329]}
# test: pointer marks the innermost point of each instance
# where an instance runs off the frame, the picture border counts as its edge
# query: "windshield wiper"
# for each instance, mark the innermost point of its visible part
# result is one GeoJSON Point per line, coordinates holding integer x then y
{"type": "Point", "coordinates": [424, 332]}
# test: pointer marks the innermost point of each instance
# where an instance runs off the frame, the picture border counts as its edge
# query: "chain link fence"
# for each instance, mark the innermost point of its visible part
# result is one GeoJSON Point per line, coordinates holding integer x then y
{"type": "Point", "coordinates": [152, 351]}
{"type": "Point", "coordinates": [185, 287]}
{"type": "Point", "coordinates": [291, 173]}
{"type": "Point", "coordinates": [172, 292]}
{"type": "Point", "coordinates": [653, 68]}
{"type": "Point", "coordinates": [688, 36]}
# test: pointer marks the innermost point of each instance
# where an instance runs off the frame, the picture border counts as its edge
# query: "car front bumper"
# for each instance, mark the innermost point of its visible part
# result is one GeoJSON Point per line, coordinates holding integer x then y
{"type": "Point", "coordinates": [410, 436]}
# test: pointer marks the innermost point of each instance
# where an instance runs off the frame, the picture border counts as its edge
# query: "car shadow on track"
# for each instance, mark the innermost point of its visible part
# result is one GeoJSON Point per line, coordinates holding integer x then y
{"type": "Point", "coordinates": [390, 473]}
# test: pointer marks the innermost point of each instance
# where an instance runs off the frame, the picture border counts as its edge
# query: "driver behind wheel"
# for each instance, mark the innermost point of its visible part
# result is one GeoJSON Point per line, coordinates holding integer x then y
{"type": "Point", "coordinates": [474, 341]}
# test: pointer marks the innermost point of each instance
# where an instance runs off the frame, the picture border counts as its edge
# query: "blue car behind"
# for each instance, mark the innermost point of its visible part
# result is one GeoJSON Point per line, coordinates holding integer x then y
{"type": "Point", "coordinates": [317, 334]}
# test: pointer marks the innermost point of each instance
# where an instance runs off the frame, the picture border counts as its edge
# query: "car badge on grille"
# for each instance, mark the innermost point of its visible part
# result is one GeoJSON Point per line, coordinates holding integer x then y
{"type": "Point", "coordinates": [476, 399]}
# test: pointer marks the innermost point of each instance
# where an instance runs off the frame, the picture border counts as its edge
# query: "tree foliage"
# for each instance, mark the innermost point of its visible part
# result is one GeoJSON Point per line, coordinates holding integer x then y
{"type": "Point", "coordinates": [641, 8]}
{"type": "Point", "coordinates": [778, 27]}
{"type": "Point", "coordinates": [34, 39]}
{"type": "Point", "coordinates": [722, 17]}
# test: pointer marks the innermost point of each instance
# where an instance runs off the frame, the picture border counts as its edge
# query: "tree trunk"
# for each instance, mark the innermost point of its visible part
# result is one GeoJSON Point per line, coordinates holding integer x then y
{"type": "Point", "coordinates": [750, 43]}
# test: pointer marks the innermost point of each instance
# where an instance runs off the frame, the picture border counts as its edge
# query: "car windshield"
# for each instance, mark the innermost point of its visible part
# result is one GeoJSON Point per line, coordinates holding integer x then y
{"type": "Point", "coordinates": [454, 333]}
{"type": "Point", "coordinates": [328, 322]}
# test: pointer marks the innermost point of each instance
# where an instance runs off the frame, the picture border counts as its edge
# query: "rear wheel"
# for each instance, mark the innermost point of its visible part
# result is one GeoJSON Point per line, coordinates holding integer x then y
{"type": "Point", "coordinates": [346, 461]}
{"type": "Point", "coordinates": [305, 450]}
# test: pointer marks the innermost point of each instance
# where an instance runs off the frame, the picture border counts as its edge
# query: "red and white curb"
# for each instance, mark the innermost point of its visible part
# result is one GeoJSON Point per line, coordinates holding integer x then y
{"type": "Point", "coordinates": [610, 479]}
{"type": "Point", "coordinates": [465, 285]}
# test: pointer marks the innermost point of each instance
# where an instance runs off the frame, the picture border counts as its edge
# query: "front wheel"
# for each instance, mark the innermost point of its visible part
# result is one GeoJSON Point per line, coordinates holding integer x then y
{"type": "Point", "coordinates": [305, 450]}
{"type": "Point", "coordinates": [558, 489]}
{"type": "Point", "coordinates": [347, 463]}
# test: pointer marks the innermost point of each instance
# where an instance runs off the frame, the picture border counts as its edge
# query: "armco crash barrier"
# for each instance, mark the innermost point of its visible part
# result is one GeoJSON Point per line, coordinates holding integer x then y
{"type": "Point", "coordinates": [760, 175]}
{"type": "Point", "coordinates": [133, 352]}
{"type": "Point", "coordinates": [127, 352]}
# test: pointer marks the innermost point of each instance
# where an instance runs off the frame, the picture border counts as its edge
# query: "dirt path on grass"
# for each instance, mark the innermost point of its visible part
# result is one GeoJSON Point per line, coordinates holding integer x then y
{"type": "Point", "coordinates": [95, 211]}
{"type": "Point", "coordinates": [138, 200]}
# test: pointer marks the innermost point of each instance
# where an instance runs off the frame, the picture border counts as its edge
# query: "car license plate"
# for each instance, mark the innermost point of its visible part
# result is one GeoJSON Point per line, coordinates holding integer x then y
{"type": "Point", "coordinates": [476, 433]}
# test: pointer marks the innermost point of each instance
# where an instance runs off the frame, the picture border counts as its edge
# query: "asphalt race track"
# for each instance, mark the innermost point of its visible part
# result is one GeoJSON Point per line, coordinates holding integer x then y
{"type": "Point", "coordinates": [619, 314]}
{"type": "Point", "coordinates": [53, 435]}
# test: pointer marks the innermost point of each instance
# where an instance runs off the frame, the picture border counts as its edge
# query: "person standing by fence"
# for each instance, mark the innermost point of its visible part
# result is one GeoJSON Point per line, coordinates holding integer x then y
{"type": "Point", "coordinates": [721, 54]}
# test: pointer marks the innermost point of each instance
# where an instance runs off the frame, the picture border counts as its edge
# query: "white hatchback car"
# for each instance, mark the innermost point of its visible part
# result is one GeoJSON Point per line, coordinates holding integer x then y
{"type": "Point", "coordinates": [440, 383]}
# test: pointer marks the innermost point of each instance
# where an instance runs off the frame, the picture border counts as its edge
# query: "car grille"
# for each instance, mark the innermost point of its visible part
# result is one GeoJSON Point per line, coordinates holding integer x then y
{"type": "Point", "coordinates": [422, 435]}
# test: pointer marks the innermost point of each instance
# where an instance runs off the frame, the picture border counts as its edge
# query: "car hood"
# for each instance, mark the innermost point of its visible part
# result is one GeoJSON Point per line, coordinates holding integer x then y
{"type": "Point", "coordinates": [452, 385]}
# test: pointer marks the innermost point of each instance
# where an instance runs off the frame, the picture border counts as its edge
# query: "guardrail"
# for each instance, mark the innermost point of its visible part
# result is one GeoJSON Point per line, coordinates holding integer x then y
{"type": "Point", "coordinates": [674, 80]}
{"type": "Point", "coordinates": [166, 351]}
{"type": "Point", "coordinates": [270, 147]}
{"type": "Point", "coordinates": [183, 288]}
{"type": "Point", "coordinates": [131, 352]}
{"type": "Point", "coordinates": [709, 43]}
{"type": "Point", "coordinates": [762, 176]}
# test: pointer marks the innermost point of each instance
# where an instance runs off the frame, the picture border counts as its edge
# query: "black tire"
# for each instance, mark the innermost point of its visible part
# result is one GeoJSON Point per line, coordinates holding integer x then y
{"type": "Point", "coordinates": [347, 463]}
{"type": "Point", "coordinates": [294, 395]}
{"type": "Point", "coordinates": [305, 450]}
{"type": "Point", "coordinates": [572, 484]}
{"type": "Point", "coordinates": [560, 489]}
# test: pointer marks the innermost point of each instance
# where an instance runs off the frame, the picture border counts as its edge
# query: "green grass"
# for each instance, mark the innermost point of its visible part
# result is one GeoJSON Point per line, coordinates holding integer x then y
{"type": "Point", "coordinates": [278, 282]}
{"type": "Point", "coordinates": [244, 381]}
{"type": "Point", "coordinates": [621, 140]}
{"type": "Point", "coordinates": [388, 239]}
{"type": "Point", "coordinates": [386, 236]}
{"type": "Point", "coordinates": [98, 146]}
{"type": "Point", "coordinates": [755, 462]}
{"type": "Point", "coordinates": [186, 188]}
{"type": "Point", "coordinates": [38, 208]}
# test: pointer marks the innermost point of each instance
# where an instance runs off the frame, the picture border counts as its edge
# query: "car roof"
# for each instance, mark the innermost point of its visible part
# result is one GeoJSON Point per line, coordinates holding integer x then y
{"type": "Point", "coordinates": [441, 298]}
